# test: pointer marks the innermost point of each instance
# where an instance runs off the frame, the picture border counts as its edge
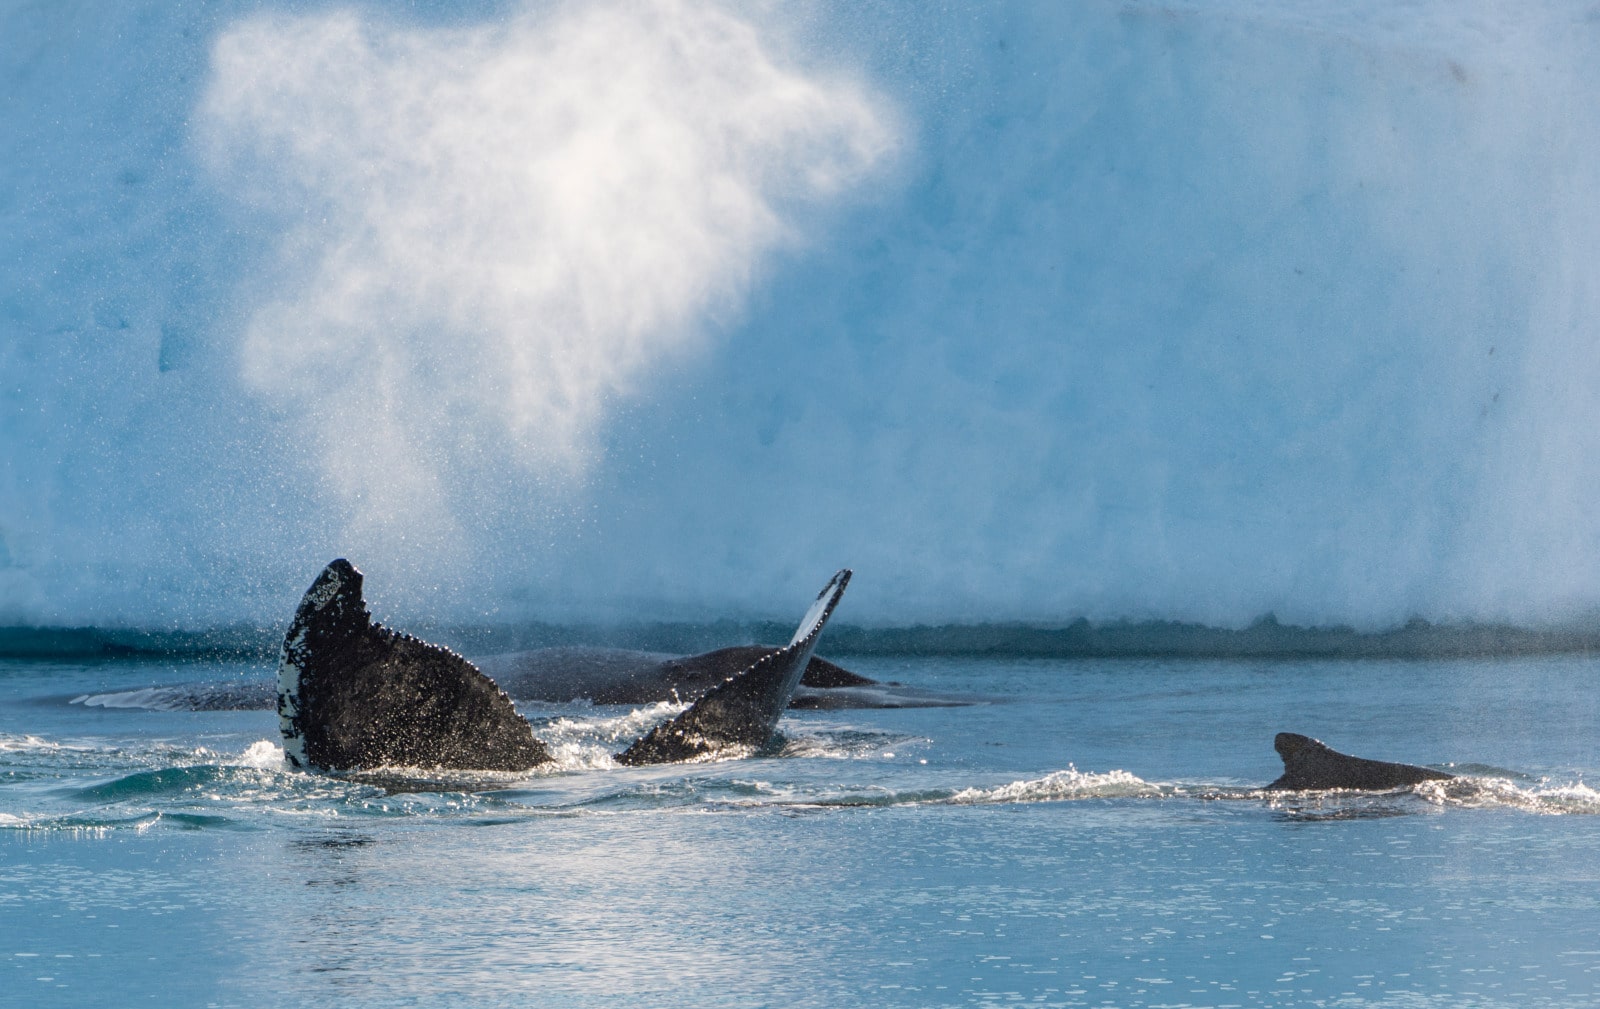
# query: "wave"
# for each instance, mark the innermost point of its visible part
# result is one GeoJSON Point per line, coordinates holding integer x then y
{"type": "Point", "coordinates": [848, 743]}
{"type": "Point", "coordinates": [251, 695]}
{"type": "Point", "coordinates": [1538, 796]}
{"type": "Point", "coordinates": [1265, 638]}
{"type": "Point", "coordinates": [1483, 793]}
{"type": "Point", "coordinates": [42, 642]}
{"type": "Point", "coordinates": [1057, 786]}
{"type": "Point", "coordinates": [33, 744]}
{"type": "Point", "coordinates": [72, 786]}
{"type": "Point", "coordinates": [1061, 785]}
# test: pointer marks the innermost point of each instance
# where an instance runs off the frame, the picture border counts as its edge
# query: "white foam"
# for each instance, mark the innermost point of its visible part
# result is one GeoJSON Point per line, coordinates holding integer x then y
{"type": "Point", "coordinates": [1068, 784]}
{"type": "Point", "coordinates": [264, 755]}
{"type": "Point", "coordinates": [1544, 798]}
{"type": "Point", "coordinates": [591, 742]}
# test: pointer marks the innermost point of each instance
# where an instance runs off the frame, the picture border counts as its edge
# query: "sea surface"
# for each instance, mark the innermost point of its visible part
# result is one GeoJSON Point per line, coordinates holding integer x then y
{"type": "Point", "coordinates": [1092, 834]}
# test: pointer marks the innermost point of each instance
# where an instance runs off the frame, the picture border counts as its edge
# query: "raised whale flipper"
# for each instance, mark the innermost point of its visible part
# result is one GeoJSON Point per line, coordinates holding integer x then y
{"type": "Point", "coordinates": [1310, 764]}
{"type": "Point", "coordinates": [745, 708]}
{"type": "Point", "coordinates": [355, 695]}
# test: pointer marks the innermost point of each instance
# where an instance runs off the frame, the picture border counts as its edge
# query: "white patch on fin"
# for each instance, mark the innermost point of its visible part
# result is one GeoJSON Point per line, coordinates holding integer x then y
{"type": "Point", "coordinates": [320, 597]}
{"type": "Point", "coordinates": [819, 610]}
{"type": "Point", "coordinates": [294, 741]}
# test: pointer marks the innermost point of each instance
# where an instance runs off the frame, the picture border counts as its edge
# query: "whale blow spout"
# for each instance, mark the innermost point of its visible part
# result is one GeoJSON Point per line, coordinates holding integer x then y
{"type": "Point", "coordinates": [1311, 764]}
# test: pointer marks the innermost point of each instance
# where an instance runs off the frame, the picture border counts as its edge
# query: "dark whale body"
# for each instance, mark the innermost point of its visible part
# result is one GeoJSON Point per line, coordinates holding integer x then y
{"type": "Point", "coordinates": [734, 713]}
{"type": "Point", "coordinates": [624, 676]}
{"type": "Point", "coordinates": [599, 675]}
{"type": "Point", "coordinates": [353, 695]}
{"type": "Point", "coordinates": [1310, 764]}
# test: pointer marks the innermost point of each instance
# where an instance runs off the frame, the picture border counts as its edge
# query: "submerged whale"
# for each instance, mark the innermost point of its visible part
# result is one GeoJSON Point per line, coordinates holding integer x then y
{"type": "Point", "coordinates": [575, 673]}
{"type": "Point", "coordinates": [626, 676]}
{"type": "Point", "coordinates": [1311, 764]}
{"type": "Point", "coordinates": [354, 695]}
{"type": "Point", "coordinates": [578, 673]}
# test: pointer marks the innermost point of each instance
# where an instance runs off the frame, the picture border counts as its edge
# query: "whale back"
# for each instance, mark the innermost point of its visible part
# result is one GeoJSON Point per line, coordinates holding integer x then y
{"type": "Point", "coordinates": [627, 676]}
{"type": "Point", "coordinates": [354, 695]}
{"type": "Point", "coordinates": [690, 675]}
{"type": "Point", "coordinates": [1311, 764]}
{"type": "Point", "coordinates": [743, 710]}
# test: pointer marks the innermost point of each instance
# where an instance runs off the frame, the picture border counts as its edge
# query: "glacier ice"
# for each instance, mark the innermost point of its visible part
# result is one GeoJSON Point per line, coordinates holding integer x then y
{"type": "Point", "coordinates": [1024, 311]}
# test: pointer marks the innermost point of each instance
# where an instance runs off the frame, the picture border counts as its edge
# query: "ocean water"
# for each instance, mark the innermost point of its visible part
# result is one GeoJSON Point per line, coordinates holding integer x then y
{"type": "Point", "coordinates": [1176, 317]}
{"type": "Point", "coordinates": [1092, 834]}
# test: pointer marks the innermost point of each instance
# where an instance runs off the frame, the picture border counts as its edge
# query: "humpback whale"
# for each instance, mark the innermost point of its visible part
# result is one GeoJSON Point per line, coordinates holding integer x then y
{"type": "Point", "coordinates": [354, 695]}
{"type": "Point", "coordinates": [625, 676]}
{"type": "Point", "coordinates": [573, 673]}
{"type": "Point", "coordinates": [1311, 764]}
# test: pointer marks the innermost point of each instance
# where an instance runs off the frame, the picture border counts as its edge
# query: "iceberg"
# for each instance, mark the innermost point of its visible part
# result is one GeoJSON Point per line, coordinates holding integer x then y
{"type": "Point", "coordinates": [1028, 312]}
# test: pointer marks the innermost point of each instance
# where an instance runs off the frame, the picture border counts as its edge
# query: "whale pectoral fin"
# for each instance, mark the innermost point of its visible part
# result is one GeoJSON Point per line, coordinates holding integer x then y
{"type": "Point", "coordinates": [353, 695]}
{"type": "Point", "coordinates": [1311, 764]}
{"type": "Point", "coordinates": [744, 710]}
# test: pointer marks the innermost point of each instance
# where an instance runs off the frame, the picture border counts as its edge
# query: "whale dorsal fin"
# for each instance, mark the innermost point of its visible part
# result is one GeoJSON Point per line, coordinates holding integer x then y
{"type": "Point", "coordinates": [354, 695]}
{"type": "Point", "coordinates": [744, 709]}
{"type": "Point", "coordinates": [1311, 764]}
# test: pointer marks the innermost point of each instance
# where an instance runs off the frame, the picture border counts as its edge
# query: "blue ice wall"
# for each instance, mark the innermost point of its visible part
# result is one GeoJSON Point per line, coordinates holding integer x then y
{"type": "Point", "coordinates": [1024, 311]}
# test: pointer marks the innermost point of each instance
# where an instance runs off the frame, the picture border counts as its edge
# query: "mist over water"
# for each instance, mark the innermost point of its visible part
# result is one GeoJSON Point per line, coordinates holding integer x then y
{"type": "Point", "coordinates": [1194, 311]}
{"type": "Point", "coordinates": [498, 230]}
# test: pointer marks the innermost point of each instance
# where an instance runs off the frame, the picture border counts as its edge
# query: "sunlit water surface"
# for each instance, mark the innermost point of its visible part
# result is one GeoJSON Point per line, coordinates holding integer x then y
{"type": "Point", "coordinates": [1093, 835]}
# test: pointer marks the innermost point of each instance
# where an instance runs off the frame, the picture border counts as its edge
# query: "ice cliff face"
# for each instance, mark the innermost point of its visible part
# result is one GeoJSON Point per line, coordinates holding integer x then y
{"type": "Point", "coordinates": [659, 309]}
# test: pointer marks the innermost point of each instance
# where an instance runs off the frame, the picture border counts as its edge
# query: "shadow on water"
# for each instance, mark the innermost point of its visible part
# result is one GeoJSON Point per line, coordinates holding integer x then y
{"type": "Point", "coordinates": [333, 840]}
{"type": "Point", "coordinates": [1375, 811]}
